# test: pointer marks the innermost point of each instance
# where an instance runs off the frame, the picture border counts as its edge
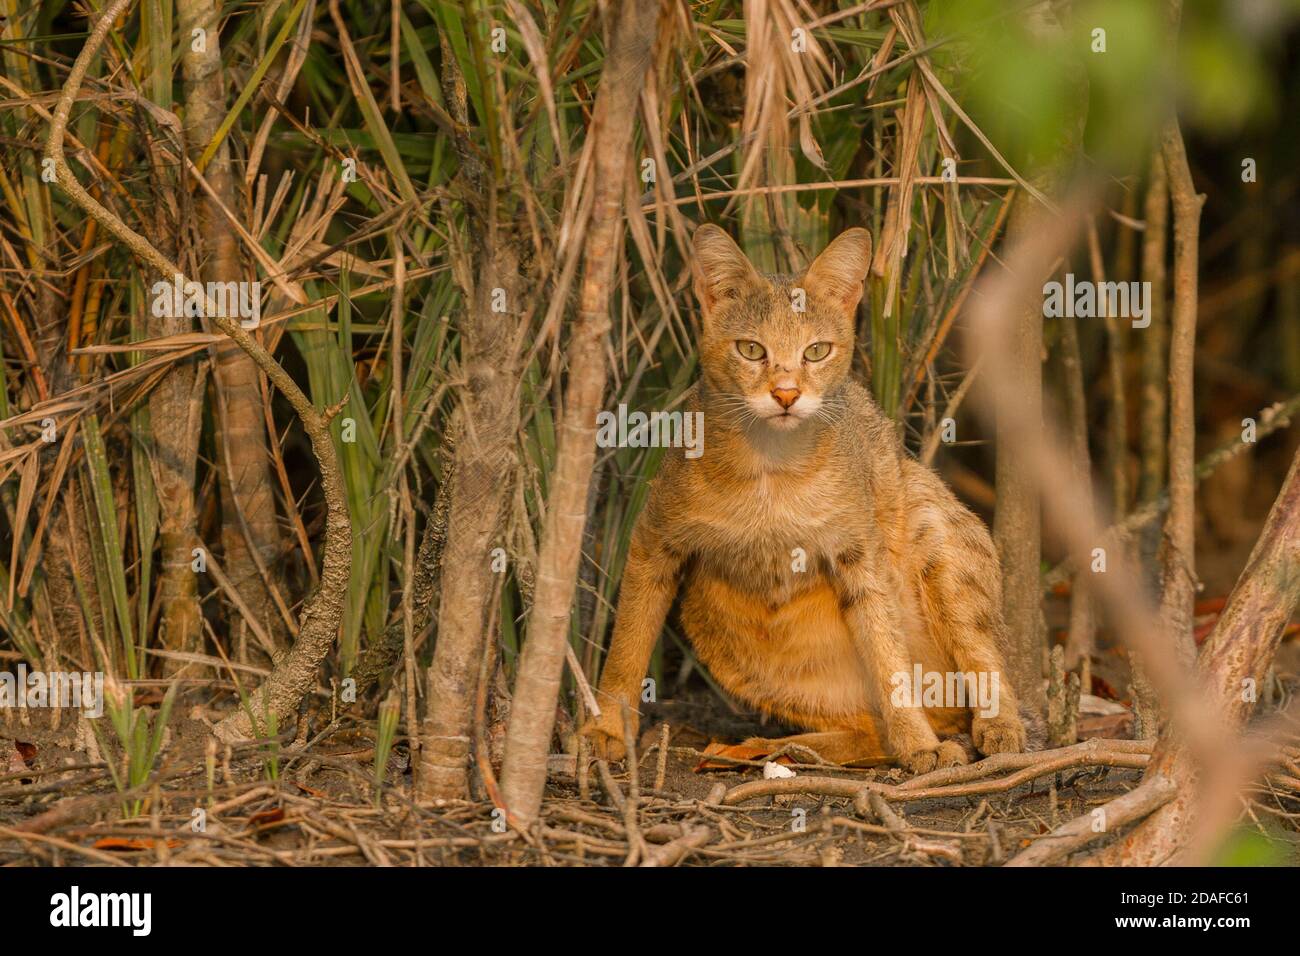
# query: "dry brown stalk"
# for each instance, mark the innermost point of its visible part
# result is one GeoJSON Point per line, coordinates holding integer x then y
{"type": "Point", "coordinates": [1177, 551]}
{"type": "Point", "coordinates": [541, 662]}
{"type": "Point", "coordinates": [250, 534]}
{"type": "Point", "coordinates": [482, 472]}
{"type": "Point", "coordinates": [1153, 406]}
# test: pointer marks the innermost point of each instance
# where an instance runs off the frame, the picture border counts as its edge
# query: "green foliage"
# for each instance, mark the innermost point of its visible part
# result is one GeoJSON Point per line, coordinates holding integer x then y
{"type": "Point", "coordinates": [389, 712]}
{"type": "Point", "coordinates": [1246, 846]}
{"type": "Point", "coordinates": [1111, 61]}
{"type": "Point", "coordinates": [139, 732]}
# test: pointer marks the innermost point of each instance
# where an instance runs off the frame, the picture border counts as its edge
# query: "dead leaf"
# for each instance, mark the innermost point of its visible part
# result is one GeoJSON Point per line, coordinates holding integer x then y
{"type": "Point", "coordinates": [1110, 726]}
{"type": "Point", "coordinates": [1102, 689]}
{"type": "Point", "coordinates": [13, 762]}
{"type": "Point", "coordinates": [263, 817]}
{"type": "Point", "coordinates": [27, 752]}
{"type": "Point", "coordinates": [130, 844]}
{"type": "Point", "coordinates": [735, 752]}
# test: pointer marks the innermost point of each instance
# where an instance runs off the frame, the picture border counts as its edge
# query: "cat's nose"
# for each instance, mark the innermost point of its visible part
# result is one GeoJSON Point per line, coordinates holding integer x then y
{"type": "Point", "coordinates": [785, 396]}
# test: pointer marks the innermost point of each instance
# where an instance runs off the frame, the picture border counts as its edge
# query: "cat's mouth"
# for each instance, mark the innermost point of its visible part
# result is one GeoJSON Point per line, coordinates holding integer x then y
{"type": "Point", "coordinates": [784, 420]}
{"type": "Point", "coordinates": [781, 418]}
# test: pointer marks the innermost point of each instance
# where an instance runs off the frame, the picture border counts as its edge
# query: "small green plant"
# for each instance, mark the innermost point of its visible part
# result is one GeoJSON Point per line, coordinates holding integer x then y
{"type": "Point", "coordinates": [271, 764]}
{"type": "Point", "coordinates": [139, 733]}
{"type": "Point", "coordinates": [210, 768]}
{"type": "Point", "coordinates": [389, 711]}
{"type": "Point", "coordinates": [271, 724]}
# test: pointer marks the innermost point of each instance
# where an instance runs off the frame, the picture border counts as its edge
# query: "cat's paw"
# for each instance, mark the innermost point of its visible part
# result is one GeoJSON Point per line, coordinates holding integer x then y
{"type": "Point", "coordinates": [605, 739]}
{"type": "Point", "coordinates": [946, 753]}
{"type": "Point", "coordinates": [1003, 734]}
{"type": "Point", "coordinates": [952, 754]}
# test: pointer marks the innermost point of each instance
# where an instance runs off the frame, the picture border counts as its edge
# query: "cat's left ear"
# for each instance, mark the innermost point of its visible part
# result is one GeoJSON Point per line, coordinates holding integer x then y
{"type": "Point", "coordinates": [837, 274]}
{"type": "Point", "coordinates": [722, 272]}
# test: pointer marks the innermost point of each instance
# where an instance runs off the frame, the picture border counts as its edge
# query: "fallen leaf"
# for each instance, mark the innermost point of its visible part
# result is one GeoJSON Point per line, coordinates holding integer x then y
{"type": "Point", "coordinates": [130, 844]}
{"type": "Point", "coordinates": [1203, 630]}
{"type": "Point", "coordinates": [263, 817]}
{"type": "Point", "coordinates": [1109, 726]}
{"type": "Point", "coordinates": [13, 762]}
{"type": "Point", "coordinates": [1211, 605]}
{"type": "Point", "coordinates": [744, 752]}
{"type": "Point", "coordinates": [1102, 689]}
{"type": "Point", "coordinates": [735, 752]}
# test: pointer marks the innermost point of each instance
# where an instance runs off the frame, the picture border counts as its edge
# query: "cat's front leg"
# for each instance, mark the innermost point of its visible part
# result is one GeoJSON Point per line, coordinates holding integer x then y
{"type": "Point", "coordinates": [868, 593]}
{"type": "Point", "coordinates": [649, 584]}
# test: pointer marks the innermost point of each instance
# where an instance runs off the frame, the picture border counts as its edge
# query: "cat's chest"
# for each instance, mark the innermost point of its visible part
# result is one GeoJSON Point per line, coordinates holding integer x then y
{"type": "Point", "coordinates": [767, 532]}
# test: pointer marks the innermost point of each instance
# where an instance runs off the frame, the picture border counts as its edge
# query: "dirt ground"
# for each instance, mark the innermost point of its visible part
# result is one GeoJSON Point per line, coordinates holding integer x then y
{"type": "Point", "coordinates": [312, 801]}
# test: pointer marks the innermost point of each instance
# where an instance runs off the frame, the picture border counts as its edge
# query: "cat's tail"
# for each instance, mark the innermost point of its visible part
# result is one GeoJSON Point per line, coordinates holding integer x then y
{"type": "Point", "coordinates": [864, 745]}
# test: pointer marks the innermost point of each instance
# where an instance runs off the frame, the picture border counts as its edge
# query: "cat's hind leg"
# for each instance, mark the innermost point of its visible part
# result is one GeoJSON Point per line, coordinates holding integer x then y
{"type": "Point", "coordinates": [960, 590]}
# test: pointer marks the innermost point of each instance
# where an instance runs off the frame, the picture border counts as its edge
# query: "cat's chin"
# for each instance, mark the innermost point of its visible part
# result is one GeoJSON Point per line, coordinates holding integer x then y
{"type": "Point", "coordinates": [784, 423]}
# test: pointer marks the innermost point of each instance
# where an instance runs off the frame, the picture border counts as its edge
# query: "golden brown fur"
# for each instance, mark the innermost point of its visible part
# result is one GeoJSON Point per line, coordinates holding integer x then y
{"type": "Point", "coordinates": [818, 559]}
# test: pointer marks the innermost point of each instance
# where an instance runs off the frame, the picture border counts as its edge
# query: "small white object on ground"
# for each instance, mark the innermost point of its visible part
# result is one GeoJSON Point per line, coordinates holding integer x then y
{"type": "Point", "coordinates": [776, 771]}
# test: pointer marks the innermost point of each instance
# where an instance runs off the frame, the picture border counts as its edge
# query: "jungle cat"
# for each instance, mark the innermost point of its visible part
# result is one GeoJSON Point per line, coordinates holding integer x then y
{"type": "Point", "coordinates": [821, 563]}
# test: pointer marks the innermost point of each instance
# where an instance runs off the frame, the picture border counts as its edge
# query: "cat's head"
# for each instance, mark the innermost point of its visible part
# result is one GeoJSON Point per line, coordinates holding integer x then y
{"type": "Point", "coordinates": [775, 349]}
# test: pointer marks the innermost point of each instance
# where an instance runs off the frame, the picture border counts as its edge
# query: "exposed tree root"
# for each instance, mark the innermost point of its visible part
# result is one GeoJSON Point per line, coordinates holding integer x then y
{"type": "Point", "coordinates": [964, 781]}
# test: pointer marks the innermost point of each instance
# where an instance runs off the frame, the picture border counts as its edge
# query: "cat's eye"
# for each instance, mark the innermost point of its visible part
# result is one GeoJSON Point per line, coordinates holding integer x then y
{"type": "Point", "coordinates": [817, 351]}
{"type": "Point", "coordinates": [751, 350]}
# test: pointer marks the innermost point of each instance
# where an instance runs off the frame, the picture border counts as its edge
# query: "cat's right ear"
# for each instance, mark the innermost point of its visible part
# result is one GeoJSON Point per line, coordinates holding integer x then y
{"type": "Point", "coordinates": [722, 271]}
{"type": "Point", "coordinates": [838, 273]}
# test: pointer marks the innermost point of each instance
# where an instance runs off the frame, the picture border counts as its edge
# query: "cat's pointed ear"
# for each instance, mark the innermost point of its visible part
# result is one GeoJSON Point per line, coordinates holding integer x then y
{"type": "Point", "coordinates": [721, 270]}
{"type": "Point", "coordinates": [836, 275]}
